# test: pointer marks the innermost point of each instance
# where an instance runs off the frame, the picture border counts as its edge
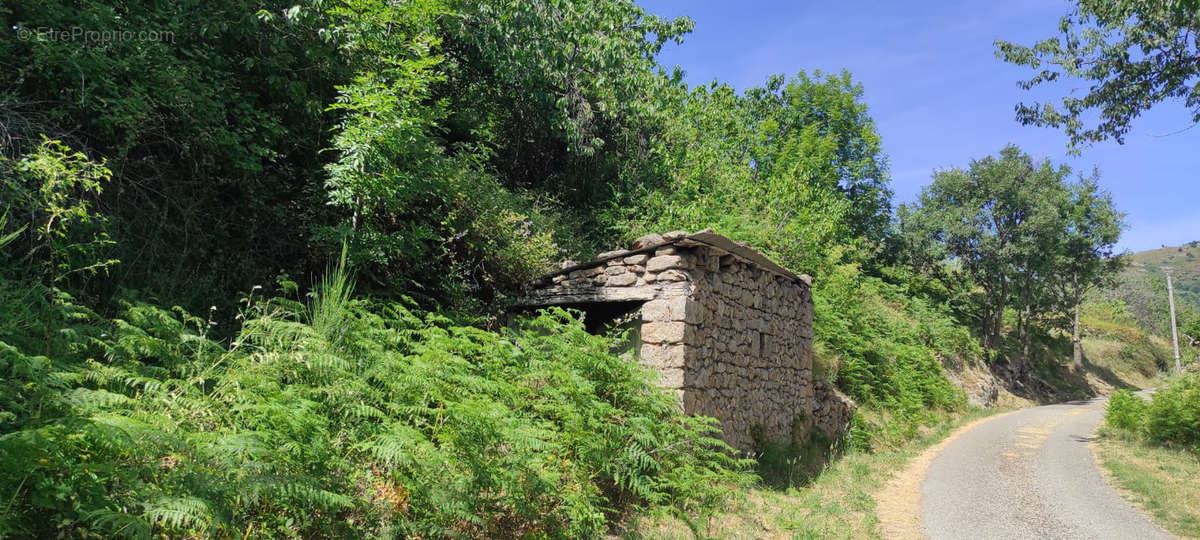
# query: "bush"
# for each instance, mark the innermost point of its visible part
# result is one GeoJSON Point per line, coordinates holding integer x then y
{"type": "Point", "coordinates": [1126, 411]}
{"type": "Point", "coordinates": [1173, 416]}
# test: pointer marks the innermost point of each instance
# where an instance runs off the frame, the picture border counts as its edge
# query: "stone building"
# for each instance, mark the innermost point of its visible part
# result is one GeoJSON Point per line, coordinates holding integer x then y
{"type": "Point", "coordinates": [729, 331]}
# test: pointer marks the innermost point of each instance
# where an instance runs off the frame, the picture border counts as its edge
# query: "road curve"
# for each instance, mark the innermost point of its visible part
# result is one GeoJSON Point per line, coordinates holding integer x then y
{"type": "Point", "coordinates": [1028, 474]}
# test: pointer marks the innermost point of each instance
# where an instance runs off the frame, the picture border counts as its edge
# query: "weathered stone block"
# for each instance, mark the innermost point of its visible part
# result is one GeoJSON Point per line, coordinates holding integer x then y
{"type": "Point", "coordinates": [656, 310]}
{"type": "Point", "coordinates": [647, 241]}
{"type": "Point", "coordinates": [664, 332]}
{"type": "Point", "coordinates": [639, 258]}
{"type": "Point", "coordinates": [671, 275]}
{"type": "Point", "coordinates": [664, 262]}
{"type": "Point", "coordinates": [671, 377]}
{"type": "Point", "coordinates": [612, 253]}
{"type": "Point", "coordinates": [622, 280]}
{"type": "Point", "coordinates": [683, 308]}
{"type": "Point", "coordinates": [662, 356]}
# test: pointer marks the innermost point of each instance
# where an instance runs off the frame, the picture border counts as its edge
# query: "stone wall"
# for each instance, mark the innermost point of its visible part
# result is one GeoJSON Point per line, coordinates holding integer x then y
{"type": "Point", "coordinates": [729, 332]}
{"type": "Point", "coordinates": [831, 409]}
{"type": "Point", "coordinates": [753, 367]}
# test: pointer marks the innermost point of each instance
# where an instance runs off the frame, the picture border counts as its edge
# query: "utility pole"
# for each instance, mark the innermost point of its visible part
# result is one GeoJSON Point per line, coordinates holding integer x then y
{"type": "Point", "coordinates": [1174, 335]}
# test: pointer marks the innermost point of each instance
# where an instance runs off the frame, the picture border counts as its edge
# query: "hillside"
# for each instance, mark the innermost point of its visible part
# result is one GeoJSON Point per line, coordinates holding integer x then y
{"type": "Point", "coordinates": [1142, 285]}
{"type": "Point", "coordinates": [258, 278]}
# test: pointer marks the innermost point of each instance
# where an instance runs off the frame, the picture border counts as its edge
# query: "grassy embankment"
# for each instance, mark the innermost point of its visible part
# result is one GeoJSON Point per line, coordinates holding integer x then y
{"type": "Point", "coordinates": [1118, 351]}
{"type": "Point", "coordinates": [1150, 451]}
{"type": "Point", "coordinates": [1158, 479]}
{"type": "Point", "coordinates": [1161, 481]}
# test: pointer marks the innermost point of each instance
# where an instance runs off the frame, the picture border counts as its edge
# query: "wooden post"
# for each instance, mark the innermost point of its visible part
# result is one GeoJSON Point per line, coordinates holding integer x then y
{"type": "Point", "coordinates": [1174, 334]}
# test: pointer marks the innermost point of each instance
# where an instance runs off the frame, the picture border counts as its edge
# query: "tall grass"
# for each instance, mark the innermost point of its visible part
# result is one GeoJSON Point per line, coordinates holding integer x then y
{"type": "Point", "coordinates": [330, 304]}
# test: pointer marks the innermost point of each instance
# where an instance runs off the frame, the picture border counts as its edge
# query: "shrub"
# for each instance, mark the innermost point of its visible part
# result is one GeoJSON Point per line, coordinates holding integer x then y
{"type": "Point", "coordinates": [1173, 416]}
{"type": "Point", "coordinates": [1126, 411]}
{"type": "Point", "coordinates": [889, 344]}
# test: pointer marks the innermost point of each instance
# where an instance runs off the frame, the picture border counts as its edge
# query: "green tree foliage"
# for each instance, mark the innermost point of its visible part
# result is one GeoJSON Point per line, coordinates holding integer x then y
{"type": "Point", "coordinates": [53, 190]}
{"type": "Point", "coordinates": [1085, 251]}
{"type": "Point", "coordinates": [212, 127]}
{"type": "Point", "coordinates": [456, 145]}
{"type": "Point", "coordinates": [415, 209]}
{"type": "Point", "coordinates": [995, 219]}
{"type": "Point", "coordinates": [1134, 54]}
{"type": "Point", "coordinates": [796, 170]}
{"type": "Point", "coordinates": [1024, 238]}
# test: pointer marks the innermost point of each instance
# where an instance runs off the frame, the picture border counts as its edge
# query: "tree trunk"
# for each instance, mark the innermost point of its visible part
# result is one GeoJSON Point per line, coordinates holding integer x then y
{"type": "Point", "coordinates": [1026, 337]}
{"type": "Point", "coordinates": [1026, 326]}
{"type": "Point", "coordinates": [1076, 347]}
{"type": "Point", "coordinates": [998, 329]}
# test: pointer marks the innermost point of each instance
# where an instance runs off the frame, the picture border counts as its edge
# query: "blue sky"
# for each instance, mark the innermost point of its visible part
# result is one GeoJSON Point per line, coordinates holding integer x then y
{"type": "Point", "coordinates": [939, 95]}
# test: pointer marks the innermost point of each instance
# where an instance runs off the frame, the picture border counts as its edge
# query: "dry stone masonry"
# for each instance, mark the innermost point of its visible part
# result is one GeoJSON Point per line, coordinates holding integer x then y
{"type": "Point", "coordinates": [729, 331]}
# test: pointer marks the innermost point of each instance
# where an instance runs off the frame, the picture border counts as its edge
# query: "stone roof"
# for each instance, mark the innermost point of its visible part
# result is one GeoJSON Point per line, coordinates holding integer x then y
{"type": "Point", "coordinates": [705, 237]}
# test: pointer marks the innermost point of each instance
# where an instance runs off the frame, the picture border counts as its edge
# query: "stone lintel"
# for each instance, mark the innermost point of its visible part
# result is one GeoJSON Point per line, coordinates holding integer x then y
{"type": "Point", "coordinates": [584, 295]}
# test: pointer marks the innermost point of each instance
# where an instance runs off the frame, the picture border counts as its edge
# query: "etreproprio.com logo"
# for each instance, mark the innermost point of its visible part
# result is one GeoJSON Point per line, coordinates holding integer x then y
{"type": "Point", "coordinates": [90, 36]}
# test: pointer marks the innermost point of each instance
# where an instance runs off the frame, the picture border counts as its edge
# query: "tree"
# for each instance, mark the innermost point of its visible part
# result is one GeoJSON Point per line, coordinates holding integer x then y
{"type": "Point", "coordinates": [826, 108]}
{"type": "Point", "coordinates": [1029, 239]}
{"type": "Point", "coordinates": [1085, 251]}
{"type": "Point", "coordinates": [793, 167]}
{"type": "Point", "coordinates": [1134, 53]}
{"type": "Point", "coordinates": [994, 219]}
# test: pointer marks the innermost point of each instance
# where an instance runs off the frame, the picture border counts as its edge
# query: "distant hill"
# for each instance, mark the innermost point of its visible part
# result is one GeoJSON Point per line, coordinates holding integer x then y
{"type": "Point", "coordinates": [1142, 285]}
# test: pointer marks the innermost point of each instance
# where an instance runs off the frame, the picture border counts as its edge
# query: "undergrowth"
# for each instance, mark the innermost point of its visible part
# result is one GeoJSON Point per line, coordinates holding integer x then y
{"type": "Point", "coordinates": [1171, 417]}
{"type": "Point", "coordinates": [333, 417]}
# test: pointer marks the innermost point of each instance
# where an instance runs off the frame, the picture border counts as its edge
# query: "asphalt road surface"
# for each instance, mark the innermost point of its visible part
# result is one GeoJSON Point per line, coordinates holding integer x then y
{"type": "Point", "coordinates": [1029, 474]}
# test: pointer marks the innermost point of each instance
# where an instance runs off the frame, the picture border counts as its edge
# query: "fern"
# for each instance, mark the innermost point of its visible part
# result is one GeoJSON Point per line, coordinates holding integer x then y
{"type": "Point", "coordinates": [348, 420]}
{"type": "Point", "coordinates": [118, 524]}
{"type": "Point", "coordinates": [179, 514]}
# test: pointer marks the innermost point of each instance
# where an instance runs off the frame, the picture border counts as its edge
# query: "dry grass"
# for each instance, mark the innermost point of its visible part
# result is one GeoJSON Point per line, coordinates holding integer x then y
{"type": "Point", "coordinates": [1160, 481]}
{"type": "Point", "coordinates": [840, 503]}
{"type": "Point", "coordinates": [1134, 365]}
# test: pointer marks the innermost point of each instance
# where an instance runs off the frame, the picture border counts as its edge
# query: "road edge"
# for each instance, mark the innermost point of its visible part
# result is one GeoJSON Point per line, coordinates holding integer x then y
{"type": "Point", "coordinates": [1124, 494]}
{"type": "Point", "coordinates": [898, 503]}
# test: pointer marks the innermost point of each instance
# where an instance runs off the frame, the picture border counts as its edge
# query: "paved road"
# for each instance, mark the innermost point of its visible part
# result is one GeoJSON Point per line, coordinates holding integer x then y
{"type": "Point", "coordinates": [1029, 474]}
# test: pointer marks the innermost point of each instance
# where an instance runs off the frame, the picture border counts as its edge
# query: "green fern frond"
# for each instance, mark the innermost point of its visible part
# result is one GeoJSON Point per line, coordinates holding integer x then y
{"type": "Point", "coordinates": [87, 401]}
{"type": "Point", "coordinates": [118, 524]}
{"type": "Point", "coordinates": [184, 514]}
